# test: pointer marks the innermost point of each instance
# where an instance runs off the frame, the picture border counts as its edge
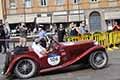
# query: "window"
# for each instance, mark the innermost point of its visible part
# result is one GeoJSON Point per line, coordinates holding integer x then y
{"type": "Point", "coordinates": [95, 22]}
{"type": "Point", "coordinates": [27, 3]}
{"type": "Point", "coordinates": [59, 2]}
{"type": "Point", "coordinates": [12, 4]}
{"type": "Point", "coordinates": [76, 1]}
{"type": "Point", "coordinates": [43, 2]}
{"type": "Point", "coordinates": [93, 0]}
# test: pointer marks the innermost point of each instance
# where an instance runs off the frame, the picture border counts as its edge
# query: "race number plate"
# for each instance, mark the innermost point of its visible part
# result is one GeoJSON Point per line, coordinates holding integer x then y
{"type": "Point", "coordinates": [53, 59]}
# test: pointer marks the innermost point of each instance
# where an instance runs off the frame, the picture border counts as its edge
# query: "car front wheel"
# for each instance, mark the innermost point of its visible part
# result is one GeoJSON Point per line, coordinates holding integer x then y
{"type": "Point", "coordinates": [98, 59]}
{"type": "Point", "coordinates": [25, 68]}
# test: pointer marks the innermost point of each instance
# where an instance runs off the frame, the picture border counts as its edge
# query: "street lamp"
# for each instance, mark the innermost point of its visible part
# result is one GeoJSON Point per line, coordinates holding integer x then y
{"type": "Point", "coordinates": [24, 12]}
{"type": "Point", "coordinates": [50, 15]}
{"type": "Point", "coordinates": [4, 13]}
{"type": "Point", "coordinates": [67, 11]}
{"type": "Point", "coordinates": [78, 10]}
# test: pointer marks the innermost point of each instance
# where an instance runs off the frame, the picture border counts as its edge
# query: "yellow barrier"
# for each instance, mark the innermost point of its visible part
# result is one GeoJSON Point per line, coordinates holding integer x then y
{"type": "Point", "coordinates": [118, 37]}
{"type": "Point", "coordinates": [86, 36]}
{"type": "Point", "coordinates": [105, 39]}
{"type": "Point", "coordinates": [72, 38]}
{"type": "Point", "coordinates": [108, 40]}
{"type": "Point", "coordinates": [114, 39]}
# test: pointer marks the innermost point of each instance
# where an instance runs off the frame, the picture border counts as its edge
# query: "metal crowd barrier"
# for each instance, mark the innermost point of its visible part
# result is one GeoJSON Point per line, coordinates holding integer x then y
{"type": "Point", "coordinates": [106, 39]}
{"type": "Point", "coordinates": [14, 41]}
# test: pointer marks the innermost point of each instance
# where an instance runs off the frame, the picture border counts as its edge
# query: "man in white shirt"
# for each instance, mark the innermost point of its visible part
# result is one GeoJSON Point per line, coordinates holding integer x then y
{"type": "Point", "coordinates": [38, 49]}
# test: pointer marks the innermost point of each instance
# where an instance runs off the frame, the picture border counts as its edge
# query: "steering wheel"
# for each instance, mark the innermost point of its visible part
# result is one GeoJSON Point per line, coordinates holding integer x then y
{"type": "Point", "coordinates": [51, 42]}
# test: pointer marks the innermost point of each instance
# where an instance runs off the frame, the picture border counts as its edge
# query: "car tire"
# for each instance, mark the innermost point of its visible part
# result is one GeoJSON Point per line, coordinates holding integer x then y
{"type": "Point", "coordinates": [98, 59]}
{"type": "Point", "coordinates": [25, 68]}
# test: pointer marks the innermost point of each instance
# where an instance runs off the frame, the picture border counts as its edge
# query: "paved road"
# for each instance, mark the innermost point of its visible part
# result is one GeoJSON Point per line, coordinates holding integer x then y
{"type": "Point", "coordinates": [111, 72]}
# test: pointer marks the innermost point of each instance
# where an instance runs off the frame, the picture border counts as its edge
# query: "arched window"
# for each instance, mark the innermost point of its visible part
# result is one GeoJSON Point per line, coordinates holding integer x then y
{"type": "Point", "coordinates": [95, 22]}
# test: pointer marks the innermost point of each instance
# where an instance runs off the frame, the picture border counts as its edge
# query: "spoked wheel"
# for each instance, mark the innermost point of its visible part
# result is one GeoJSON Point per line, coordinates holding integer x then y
{"type": "Point", "coordinates": [98, 59]}
{"type": "Point", "coordinates": [25, 68]}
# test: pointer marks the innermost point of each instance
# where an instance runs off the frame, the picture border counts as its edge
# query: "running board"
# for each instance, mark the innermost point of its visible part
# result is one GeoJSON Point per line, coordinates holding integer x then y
{"type": "Point", "coordinates": [50, 69]}
{"type": "Point", "coordinates": [57, 67]}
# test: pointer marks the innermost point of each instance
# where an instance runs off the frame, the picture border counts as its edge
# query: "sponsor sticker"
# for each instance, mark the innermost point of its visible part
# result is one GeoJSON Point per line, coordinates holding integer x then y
{"type": "Point", "coordinates": [53, 59]}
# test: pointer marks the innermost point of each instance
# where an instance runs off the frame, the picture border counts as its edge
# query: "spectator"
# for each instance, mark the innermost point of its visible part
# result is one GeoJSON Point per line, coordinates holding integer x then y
{"type": "Point", "coordinates": [17, 29]}
{"type": "Point", "coordinates": [83, 29]}
{"type": "Point", "coordinates": [74, 31]}
{"type": "Point", "coordinates": [61, 33]}
{"type": "Point", "coordinates": [23, 34]}
{"type": "Point", "coordinates": [55, 36]}
{"type": "Point", "coordinates": [7, 34]}
{"type": "Point", "coordinates": [53, 30]}
{"type": "Point", "coordinates": [115, 26]}
{"type": "Point", "coordinates": [2, 37]}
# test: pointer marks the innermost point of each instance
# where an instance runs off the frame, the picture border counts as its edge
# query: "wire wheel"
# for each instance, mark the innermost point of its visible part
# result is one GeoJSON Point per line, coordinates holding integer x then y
{"type": "Point", "coordinates": [98, 59]}
{"type": "Point", "coordinates": [25, 68]}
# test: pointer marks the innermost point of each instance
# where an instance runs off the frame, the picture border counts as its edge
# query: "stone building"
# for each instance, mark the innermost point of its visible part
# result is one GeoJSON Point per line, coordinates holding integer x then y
{"type": "Point", "coordinates": [1, 10]}
{"type": "Point", "coordinates": [98, 15]}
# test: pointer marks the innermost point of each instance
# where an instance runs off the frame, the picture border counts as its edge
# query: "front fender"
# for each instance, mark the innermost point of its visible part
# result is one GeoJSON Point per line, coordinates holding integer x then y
{"type": "Point", "coordinates": [15, 60]}
{"type": "Point", "coordinates": [90, 50]}
{"type": "Point", "coordinates": [81, 56]}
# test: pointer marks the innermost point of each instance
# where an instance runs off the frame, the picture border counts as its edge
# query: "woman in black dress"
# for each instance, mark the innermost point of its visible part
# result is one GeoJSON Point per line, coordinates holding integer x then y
{"type": "Point", "coordinates": [61, 33]}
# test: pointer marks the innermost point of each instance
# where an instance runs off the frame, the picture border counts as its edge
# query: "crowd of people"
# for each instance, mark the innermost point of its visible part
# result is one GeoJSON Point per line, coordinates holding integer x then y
{"type": "Point", "coordinates": [4, 36]}
{"type": "Point", "coordinates": [59, 32]}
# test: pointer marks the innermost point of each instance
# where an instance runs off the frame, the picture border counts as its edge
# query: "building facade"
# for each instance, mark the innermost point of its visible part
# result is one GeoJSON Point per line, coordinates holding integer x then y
{"type": "Point", "coordinates": [98, 15]}
{"type": "Point", "coordinates": [1, 10]}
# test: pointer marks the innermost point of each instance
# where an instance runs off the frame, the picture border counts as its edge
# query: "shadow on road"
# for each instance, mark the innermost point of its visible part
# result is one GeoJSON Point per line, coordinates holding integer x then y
{"type": "Point", "coordinates": [71, 68]}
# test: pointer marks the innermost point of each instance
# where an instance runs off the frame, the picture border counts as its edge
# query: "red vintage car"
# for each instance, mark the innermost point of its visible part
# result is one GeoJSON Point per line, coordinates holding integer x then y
{"type": "Point", "coordinates": [25, 63]}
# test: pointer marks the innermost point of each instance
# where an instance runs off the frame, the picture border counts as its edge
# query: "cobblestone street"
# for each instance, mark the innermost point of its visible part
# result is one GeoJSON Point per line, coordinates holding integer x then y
{"type": "Point", "coordinates": [111, 72]}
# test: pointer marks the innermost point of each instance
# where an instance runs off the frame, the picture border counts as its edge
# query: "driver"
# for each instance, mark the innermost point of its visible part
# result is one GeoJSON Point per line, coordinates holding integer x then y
{"type": "Point", "coordinates": [38, 48]}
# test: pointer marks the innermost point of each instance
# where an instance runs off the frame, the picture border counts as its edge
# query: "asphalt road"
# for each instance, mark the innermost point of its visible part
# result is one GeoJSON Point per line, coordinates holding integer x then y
{"type": "Point", "coordinates": [111, 72]}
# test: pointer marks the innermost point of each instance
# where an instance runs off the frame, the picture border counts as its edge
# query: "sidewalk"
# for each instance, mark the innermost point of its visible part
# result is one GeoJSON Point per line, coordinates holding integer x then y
{"type": "Point", "coordinates": [2, 60]}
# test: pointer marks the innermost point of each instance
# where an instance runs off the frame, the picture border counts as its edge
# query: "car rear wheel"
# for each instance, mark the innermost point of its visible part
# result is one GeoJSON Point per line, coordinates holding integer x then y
{"type": "Point", "coordinates": [25, 68]}
{"type": "Point", "coordinates": [98, 59]}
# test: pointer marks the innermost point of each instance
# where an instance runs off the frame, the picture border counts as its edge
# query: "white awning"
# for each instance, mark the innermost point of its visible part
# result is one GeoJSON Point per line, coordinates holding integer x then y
{"type": "Point", "coordinates": [76, 17]}
{"type": "Point", "coordinates": [112, 15]}
{"type": "Point", "coordinates": [60, 13]}
{"type": "Point", "coordinates": [77, 12]}
{"type": "Point", "coordinates": [43, 20]}
{"type": "Point", "coordinates": [59, 19]}
{"type": "Point", "coordinates": [20, 18]}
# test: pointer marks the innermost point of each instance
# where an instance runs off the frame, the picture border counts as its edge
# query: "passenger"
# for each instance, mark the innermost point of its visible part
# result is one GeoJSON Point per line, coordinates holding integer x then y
{"type": "Point", "coordinates": [39, 49]}
{"type": "Point", "coordinates": [42, 34]}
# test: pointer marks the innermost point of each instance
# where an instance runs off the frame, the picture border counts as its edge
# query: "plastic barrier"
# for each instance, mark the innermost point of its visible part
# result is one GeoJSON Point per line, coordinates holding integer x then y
{"type": "Point", "coordinates": [86, 36]}
{"type": "Point", "coordinates": [106, 39]}
{"type": "Point", "coordinates": [72, 38]}
{"type": "Point", "coordinates": [118, 37]}
{"type": "Point", "coordinates": [114, 38]}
